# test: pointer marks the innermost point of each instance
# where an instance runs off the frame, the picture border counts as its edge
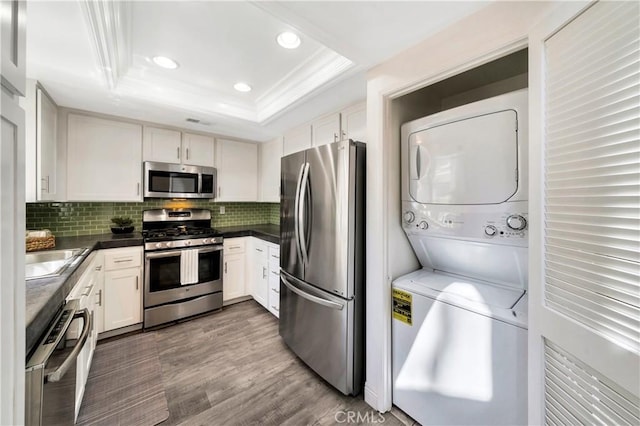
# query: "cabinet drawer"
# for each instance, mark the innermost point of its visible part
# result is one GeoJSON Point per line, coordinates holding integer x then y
{"type": "Point", "coordinates": [274, 258]}
{"type": "Point", "coordinates": [122, 258]}
{"type": "Point", "coordinates": [234, 245]}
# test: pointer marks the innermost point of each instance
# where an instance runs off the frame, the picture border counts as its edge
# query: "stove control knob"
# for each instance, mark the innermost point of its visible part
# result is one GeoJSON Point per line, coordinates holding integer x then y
{"type": "Point", "coordinates": [490, 230]}
{"type": "Point", "coordinates": [409, 216]}
{"type": "Point", "coordinates": [423, 225]}
{"type": "Point", "coordinates": [187, 243]}
{"type": "Point", "coordinates": [158, 245]}
{"type": "Point", "coordinates": [516, 222]}
{"type": "Point", "coordinates": [205, 241]}
{"type": "Point", "coordinates": [168, 244]}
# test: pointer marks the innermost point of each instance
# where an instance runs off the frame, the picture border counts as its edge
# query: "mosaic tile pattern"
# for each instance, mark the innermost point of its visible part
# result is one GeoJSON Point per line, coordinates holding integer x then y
{"type": "Point", "coordinates": [70, 219]}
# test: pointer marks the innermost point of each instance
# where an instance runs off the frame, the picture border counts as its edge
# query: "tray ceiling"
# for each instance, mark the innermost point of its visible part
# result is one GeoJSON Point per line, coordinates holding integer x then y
{"type": "Point", "coordinates": [97, 56]}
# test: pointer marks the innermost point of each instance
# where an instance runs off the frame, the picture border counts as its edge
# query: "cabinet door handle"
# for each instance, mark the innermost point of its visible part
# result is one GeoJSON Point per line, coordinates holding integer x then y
{"type": "Point", "coordinates": [47, 181]}
{"type": "Point", "coordinates": [187, 153]}
{"type": "Point", "coordinates": [277, 257]}
{"type": "Point", "coordinates": [275, 308]}
{"type": "Point", "coordinates": [335, 137]}
{"type": "Point", "coordinates": [178, 152]}
{"type": "Point", "coordinates": [225, 267]}
{"type": "Point", "coordinates": [219, 192]}
{"type": "Point", "coordinates": [344, 134]}
{"type": "Point", "coordinates": [100, 297]}
{"type": "Point", "coordinates": [264, 272]}
{"type": "Point", "coordinates": [99, 268]}
{"type": "Point", "coordinates": [138, 189]}
{"type": "Point", "coordinates": [276, 273]}
{"type": "Point", "coordinates": [260, 250]}
{"type": "Point", "coordinates": [137, 286]}
{"type": "Point", "coordinates": [123, 260]}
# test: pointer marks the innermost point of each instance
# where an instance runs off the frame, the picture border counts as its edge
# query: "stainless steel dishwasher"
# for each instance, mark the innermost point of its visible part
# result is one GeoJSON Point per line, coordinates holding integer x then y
{"type": "Point", "coordinates": [50, 380]}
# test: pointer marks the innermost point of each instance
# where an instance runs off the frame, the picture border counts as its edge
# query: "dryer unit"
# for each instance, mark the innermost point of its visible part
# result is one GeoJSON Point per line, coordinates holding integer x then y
{"type": "Point", "coordinates": [459, 328]}
{"type": "Point", "coordinates": [464, 189]}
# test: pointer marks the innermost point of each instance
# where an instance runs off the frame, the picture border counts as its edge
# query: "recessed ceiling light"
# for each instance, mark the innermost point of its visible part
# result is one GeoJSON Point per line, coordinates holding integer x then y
{"type": "Point", "coordinates": [164, 62]}
{"type": "Point", "coordinates": [242, 87]}
{"type": "Point", "coordinates": [288, 40]}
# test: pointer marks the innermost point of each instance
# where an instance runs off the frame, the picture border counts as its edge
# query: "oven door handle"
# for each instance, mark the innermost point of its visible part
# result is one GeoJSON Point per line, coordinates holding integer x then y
{"type": "Point", "coordinates": [156, 255]}
{"type": "Point", "coordinates": [59, 372]}
{"type": "Point", "coordinates": [209, 249]}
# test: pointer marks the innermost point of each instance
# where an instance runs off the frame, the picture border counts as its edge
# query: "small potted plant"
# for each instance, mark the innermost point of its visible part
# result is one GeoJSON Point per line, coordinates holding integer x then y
{"type": "Point", "coordinates": [123, 225]}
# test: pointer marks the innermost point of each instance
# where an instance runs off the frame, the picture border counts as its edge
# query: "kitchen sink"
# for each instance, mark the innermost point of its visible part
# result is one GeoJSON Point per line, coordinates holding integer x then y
{"type": "Point", "coordinates": [50, 263]}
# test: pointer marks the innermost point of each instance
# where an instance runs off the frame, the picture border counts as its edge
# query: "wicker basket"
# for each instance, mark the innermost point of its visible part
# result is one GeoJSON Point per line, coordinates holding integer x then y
{"type": "Point", "coordinates": [40, 243]}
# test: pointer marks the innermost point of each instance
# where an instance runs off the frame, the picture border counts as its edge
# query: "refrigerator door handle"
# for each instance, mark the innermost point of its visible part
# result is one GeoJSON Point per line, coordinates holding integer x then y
{"type": "Point", "coordinates": [310, 297]}
{"type": "Point", "coordinates": [302, 213]}
{"type": "Point", "coordinates": [297, 211]}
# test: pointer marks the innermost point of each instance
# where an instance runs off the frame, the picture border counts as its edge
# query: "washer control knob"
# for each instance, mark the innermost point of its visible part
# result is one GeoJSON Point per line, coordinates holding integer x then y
{"type": "Point", "coordinates": [409, 216]}
{"type": "Point", "coordinates": [516, 222]}
{"type": "Point", "coordinates": [423, 225]}
{"type": "Point", "coordinates": [490, 230]}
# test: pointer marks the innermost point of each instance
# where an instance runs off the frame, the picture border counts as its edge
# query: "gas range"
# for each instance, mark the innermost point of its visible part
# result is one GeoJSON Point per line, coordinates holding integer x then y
{"type": "Point", "coordinates": [180, 228]}
{"type": "Point", "coordinates": [183, 265]}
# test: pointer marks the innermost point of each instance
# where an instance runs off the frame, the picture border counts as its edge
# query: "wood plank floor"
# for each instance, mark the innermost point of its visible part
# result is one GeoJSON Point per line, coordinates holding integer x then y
{"type": "Point", "coordinates": [232, 368]}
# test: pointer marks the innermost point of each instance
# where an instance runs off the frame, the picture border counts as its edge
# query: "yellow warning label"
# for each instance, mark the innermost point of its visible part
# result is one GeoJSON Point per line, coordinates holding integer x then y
{"type": "Point", "coordinates": [402, 306]}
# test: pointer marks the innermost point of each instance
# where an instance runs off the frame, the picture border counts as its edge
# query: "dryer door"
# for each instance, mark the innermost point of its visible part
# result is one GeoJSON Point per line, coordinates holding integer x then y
{"type": "Point", "coordinates": [469, 161]}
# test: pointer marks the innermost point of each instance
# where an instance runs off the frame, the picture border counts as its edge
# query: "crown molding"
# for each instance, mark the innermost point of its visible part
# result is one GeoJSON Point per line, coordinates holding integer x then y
{"type": "Point", "coordinates": [324, 66]}
{"type": "Point", "coordinates": [109, 25]}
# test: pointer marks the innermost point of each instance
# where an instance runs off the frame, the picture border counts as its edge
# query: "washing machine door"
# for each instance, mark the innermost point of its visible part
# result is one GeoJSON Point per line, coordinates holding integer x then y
{"type": "Point", "coordinates": [469, 161]}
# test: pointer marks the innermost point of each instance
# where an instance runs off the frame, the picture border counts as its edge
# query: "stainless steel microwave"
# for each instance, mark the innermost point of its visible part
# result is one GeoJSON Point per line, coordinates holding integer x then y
{"type": "Point", "coordinates": [164, 180]}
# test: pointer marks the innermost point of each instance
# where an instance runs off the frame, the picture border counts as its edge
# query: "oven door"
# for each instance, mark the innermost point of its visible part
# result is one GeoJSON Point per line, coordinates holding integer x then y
{"type": "Point", "coordinates": [165, 272]}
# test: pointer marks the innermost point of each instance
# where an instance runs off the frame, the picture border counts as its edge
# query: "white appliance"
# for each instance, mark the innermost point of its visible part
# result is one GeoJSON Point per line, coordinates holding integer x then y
{"type": "Point", "coordinates": [456, 324]}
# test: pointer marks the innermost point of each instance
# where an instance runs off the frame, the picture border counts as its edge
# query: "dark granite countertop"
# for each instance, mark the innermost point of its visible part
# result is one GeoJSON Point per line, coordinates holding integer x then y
{"type": "Point", "coordinates": [45, 296]}
{"type": "Point", "coordinates": [267, 232]}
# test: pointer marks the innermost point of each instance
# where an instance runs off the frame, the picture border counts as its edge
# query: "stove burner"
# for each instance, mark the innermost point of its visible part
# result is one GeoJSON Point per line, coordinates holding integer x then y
{"type": "Point", "coordinates": [179, 232]}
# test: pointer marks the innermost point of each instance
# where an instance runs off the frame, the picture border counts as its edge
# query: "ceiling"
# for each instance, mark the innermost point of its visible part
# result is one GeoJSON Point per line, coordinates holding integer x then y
{"type": "Point", "coordinates": [96, 56]}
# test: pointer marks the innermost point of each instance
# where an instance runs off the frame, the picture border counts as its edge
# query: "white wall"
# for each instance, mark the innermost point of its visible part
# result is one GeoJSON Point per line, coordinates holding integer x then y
{"type": "Point", "coordinates": [499, 29]}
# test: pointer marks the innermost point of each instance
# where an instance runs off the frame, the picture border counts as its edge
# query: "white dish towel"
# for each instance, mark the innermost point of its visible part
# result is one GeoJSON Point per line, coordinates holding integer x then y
{"type": "Point", "coordinates": [189, 267]}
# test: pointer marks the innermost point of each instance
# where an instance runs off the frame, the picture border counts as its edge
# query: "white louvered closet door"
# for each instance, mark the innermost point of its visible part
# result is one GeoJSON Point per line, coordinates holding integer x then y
{"type": "Point", "coordinates": [584, 334]}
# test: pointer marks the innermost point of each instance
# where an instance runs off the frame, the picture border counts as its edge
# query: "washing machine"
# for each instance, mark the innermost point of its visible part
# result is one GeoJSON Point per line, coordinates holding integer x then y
{"type": "Point", "coordinates": [459, 351]}
{"type": "Point", "coordinates": [459, 327]}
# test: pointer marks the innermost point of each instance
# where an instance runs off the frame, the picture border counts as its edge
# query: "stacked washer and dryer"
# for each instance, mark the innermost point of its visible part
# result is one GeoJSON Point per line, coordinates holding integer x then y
{"type": "Point", "coordinates": [460, 323]}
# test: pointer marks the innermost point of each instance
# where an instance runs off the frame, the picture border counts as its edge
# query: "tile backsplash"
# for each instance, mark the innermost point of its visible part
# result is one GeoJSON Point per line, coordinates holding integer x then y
{"type": "Point", "coordinates": [70, 219]}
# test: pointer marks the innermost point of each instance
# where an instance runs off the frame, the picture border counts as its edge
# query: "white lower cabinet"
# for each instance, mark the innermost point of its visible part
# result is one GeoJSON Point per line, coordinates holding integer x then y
{"type": "Point", "coordinates": [122, 287]}
{"type": "Point", "coordinates": [274, 280]}
{"type": "Point", "coordinates": [265, 276]}
{"type": "Point", "coordinates": [234, 276]}
{"type": "Point", "coordinates": [260, 276]}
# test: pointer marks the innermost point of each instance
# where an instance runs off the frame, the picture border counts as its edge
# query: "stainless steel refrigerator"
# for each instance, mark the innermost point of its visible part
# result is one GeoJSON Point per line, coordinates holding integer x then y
{"type": "Point", "coordinates": [322, 260]}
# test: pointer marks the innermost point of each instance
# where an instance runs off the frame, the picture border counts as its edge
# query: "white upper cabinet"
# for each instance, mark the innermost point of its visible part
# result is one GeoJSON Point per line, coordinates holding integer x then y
{"type": "Point", "coordinates": [354, 123]}
{"type": "Point", "coordinates": [237, 164]}
{"type": "Point", "coordinates": [270, 154]}
{"type": "Point", "coordinates": [350, 123]}
{"type": "Point", "coordinates": [41, 118]}
{"type": "Point", "coordinates": [326, 130]}
{"type": "Point", "coordinates": [297, 139]}
{"type": "Point", "coordinates": [173, 146]}
{"type": "Point", "coordinates": [162, 145]}
{"type": "Point", "coordinates": [104, 160]}
{"type": "Point", "coordinates": [46, 142]}
{"type": "Point", "coordinates": [13, 29]}
{"type": "Point", "coordinates": [197, 150]}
